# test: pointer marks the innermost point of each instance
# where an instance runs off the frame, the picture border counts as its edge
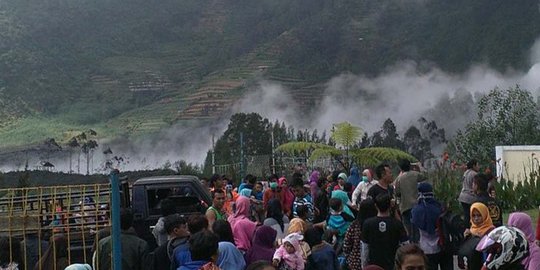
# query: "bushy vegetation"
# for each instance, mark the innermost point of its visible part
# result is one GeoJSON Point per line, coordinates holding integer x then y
{"type": "Point", "coordinates": [504, 117]}
{"type": "Point", "coordinates": [512, 196]}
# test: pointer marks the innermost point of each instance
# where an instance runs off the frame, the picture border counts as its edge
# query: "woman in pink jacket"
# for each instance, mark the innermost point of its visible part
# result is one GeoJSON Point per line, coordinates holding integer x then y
{"type": "Point", "coordinates": [523, 222]}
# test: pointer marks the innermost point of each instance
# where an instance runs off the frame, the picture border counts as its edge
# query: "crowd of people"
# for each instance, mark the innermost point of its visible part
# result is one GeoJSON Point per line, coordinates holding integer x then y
{"type": "Point", "coordinates": [367, 220]}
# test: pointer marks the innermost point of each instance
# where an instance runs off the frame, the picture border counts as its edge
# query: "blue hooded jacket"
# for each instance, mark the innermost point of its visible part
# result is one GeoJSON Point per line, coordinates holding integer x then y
{"type": "Point", "coordinates": [355, 178]}
{"type": "Point", "coordinates": [193, 265]}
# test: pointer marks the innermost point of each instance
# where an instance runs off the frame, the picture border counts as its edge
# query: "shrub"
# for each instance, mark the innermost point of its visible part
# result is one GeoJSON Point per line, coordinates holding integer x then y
{"type": "Point", "coordinates": [512, 196]}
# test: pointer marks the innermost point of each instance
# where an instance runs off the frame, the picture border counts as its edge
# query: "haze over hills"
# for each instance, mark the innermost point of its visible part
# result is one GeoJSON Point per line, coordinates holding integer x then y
{"type": "Point", "coordinates": [155, 71]}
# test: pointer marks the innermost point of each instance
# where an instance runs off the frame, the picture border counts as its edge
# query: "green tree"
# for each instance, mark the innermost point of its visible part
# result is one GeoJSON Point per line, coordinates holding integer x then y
{"type": "Point", "coordinates": [505, 117]}
{"type": "Point", "coordinates": [256, 135]}
{"type": "Point", "coordinates": [346, 136]}
{"type": "Point", "coordinates": [88, 145]}
{"type": "Point", "coordinates": [417, 145]}
{"type": "Point", "coordinates": [184, 168]}
{"type": "Point", "coordinates": [72, 144]}
{"type": "Point", "coordinates": [387, 136]}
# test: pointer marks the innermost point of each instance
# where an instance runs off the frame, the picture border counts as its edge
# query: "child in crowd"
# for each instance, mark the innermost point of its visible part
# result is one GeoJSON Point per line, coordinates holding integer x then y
{"type": "Point", "coordinates": [258, 191]}
{"type": "Point", "coordinates": [338, 222]}
{"type": "Point", "coordinates": [289, 255]}
{"type": "Point", "coordinates": [322, 255]}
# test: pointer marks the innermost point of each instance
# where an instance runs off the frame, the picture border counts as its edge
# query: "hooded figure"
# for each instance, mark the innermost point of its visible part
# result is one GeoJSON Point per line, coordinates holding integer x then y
{"type": "Point", "coordinates": [263, 245]}
{"type": "Point", "coordinates": [79, 266]}
{"type": "Point", "coordinates": [291, 258]}
{"type": "Point", "coordinates": [355, 178]}
{"type": "Point", "coordinates": [341, 180]}
{"type": "Point", "coordinates": [427, 211]}
{"type": "Point", "coordinates": [313, 187]}
{"type": "Point", "coordinates": [342, 195]}
{"type": "Point", "coordinates": [230, 258]}
{"type": "Point", "coordinates": [288, 196]}
{"type": "Point", "coordinates": [425, 215]}
{"type": "Point", "coordinates": [523, 222]}
{"type": "Point", "coordinates": [242, 227]}
{"type": "Point", "coordinates": [276, 219]}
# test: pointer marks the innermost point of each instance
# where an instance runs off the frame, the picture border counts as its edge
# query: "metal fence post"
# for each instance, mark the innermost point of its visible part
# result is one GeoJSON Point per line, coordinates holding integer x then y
{"type": "Point", "coordinates": [115, 215]}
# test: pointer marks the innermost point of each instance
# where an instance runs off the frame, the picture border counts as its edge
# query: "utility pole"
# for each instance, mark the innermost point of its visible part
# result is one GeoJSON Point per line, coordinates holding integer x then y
{"type": "Point", "coordinates": [273, 154]}
{"type": "Point", "coordinates": [213, 155]}
{"type": "Point", "coordinates": [242, 155]}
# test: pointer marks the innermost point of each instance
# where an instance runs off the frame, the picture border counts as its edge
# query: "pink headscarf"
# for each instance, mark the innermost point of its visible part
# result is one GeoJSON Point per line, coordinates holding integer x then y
{"type": "Point", "coordinates": [523, 222]}
{"type": "Point", "coordinates": [242, 227]}
{"type": "Point", "coordinates": [368, 174]}
{"type": "Point", "coordinates": [242, 210]}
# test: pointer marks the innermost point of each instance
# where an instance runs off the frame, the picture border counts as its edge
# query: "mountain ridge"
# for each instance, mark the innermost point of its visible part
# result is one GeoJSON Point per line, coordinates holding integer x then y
{"type": "Point", "coordinates": [127, 69]}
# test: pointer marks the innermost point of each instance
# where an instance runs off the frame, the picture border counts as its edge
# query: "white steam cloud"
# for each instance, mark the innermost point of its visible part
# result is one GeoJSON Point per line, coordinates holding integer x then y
{"type": "Point", "coordinates": [402, 93]}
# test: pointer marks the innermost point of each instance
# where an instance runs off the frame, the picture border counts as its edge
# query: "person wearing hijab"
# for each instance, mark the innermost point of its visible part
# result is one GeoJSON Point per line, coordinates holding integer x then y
{"type": "Point", "coordinates": [361, 190]}
{"type": "Point", "coordinates": [480, 226]}
{"type": "Point", "coordinates": [537, 230]}
{"type": "Point", "coordinates": [523, 222]}
{"type": "Point", "coordinates": [298, 225]}
{"type": "Point", "coordinates": [79, 266]}
{"type": "Point", "coordinates": [341, 179]}
{"type": "Point", "coordinates": [263, 245]}
{"type": "Point", "coordinates": [229, 257]}
{"type": "Point", "coordinates": [242, 227]}
{"type": "Point", "coordinates": [288, 196]}
{"type": "Point", "coordinates": [425, 215]}
{"type": "Point", "coordinates": [342, 195]}
{"type": "Point", "coordinates": [276, 219]}
{"type": "Point", "coordinates": [289, 254]}
{"type": "Point", "coordinates": [481, 223]}
{"type": "Point", "coordinates": [354, 178]}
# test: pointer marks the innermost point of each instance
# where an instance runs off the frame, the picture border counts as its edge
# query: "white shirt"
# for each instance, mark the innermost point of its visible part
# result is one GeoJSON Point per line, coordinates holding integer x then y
{"type": "Point", "coordinates": [362, 190]}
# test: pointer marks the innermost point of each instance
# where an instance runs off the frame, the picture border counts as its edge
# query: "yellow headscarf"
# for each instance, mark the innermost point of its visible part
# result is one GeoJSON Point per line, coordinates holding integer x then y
{"type": "Point", "coordinates": [486, 225]}
{"type": "Point", "coordinates": [297, 225]}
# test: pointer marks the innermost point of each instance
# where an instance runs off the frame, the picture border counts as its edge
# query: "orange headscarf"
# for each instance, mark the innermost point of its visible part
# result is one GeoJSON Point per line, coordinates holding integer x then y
{"type": "Point", "coordinates": [486, 225]}
{"type": "Point", "coordinates": [297, 225]}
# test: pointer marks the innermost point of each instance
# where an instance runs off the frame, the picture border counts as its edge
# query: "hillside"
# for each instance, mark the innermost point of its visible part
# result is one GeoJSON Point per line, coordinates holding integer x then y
{"type": "Point", "coordinates": [129, 68]}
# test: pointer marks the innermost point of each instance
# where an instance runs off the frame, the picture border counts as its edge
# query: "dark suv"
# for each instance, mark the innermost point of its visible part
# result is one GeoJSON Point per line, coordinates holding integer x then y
{"type": "Point", "coordinates": [147, 193]}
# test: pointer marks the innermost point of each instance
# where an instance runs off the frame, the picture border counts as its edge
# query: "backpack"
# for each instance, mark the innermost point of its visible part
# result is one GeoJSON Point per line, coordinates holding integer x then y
{"type": "Point", "coordinates": [450, 228]}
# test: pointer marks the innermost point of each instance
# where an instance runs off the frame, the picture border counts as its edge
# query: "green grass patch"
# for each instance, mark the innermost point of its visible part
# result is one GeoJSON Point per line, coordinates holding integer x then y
{"type": "Point", "coordinates": [34, 130]}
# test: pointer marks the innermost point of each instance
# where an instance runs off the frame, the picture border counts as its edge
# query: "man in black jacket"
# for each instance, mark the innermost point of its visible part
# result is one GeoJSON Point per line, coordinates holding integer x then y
{"type": "Point", "coordinates": [480, 187]}
{"type": "Point", "coordinates": [176, 228]}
